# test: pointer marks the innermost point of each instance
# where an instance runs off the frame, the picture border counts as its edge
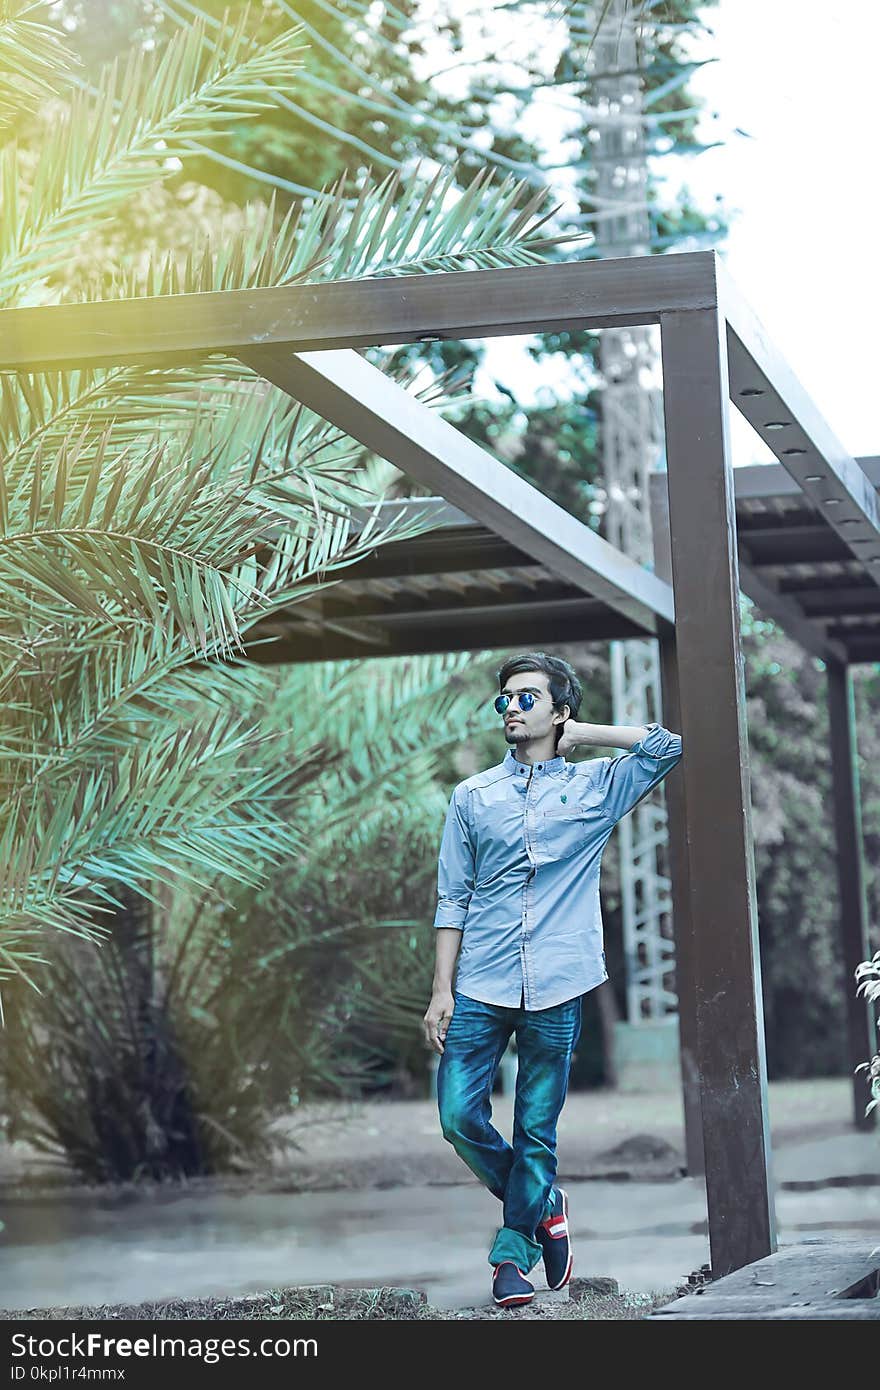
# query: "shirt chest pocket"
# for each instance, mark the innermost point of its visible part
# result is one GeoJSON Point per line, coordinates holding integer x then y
{"type": "Point", "coordinates": [564, 831]}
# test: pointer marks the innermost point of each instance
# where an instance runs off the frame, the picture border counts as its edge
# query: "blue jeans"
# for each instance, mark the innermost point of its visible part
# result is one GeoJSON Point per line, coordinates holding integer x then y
{"type": "Point", "coordinates": [520, 1176]}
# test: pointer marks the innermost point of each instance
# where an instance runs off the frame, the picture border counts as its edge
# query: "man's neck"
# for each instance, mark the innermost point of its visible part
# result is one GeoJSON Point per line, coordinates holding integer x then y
{"type": "Point", "coordinates": [531, 753]}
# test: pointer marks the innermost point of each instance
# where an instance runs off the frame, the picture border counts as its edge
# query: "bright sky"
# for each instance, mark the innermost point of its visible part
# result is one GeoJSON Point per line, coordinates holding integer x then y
{"type": "Point", "coordinates": [799, 76]}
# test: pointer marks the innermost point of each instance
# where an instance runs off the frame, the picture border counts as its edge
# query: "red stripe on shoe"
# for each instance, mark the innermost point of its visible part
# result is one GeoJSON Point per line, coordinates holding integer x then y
{"type": "Point", "coordinates": [556, 1226]}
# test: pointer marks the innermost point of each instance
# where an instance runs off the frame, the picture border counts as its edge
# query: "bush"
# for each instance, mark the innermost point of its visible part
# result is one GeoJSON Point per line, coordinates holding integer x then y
{"type": "Point", "coordinates": [868, 977]}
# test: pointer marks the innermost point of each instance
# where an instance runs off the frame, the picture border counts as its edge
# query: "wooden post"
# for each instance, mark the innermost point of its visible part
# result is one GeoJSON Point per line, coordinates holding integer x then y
{"type": "Point", "coordinates": [685, 978]}
{"type": "Point", "coordinates": [721, 877]}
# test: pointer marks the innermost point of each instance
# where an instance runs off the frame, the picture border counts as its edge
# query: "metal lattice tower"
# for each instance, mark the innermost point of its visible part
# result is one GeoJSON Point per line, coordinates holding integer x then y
{"type": "Point", "coordinates": [632, 446]}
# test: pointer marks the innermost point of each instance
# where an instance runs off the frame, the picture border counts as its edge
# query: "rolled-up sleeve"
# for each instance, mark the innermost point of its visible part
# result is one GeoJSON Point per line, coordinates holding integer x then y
{"type": "Point", "coordinates": [455, 869]}
{"type": "Point", "coordinates": [626, 779]}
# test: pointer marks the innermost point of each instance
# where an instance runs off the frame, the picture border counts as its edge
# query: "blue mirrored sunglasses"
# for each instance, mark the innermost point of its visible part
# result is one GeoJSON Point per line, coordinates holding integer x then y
{"type": "Point", "coordinates": [526, 701]}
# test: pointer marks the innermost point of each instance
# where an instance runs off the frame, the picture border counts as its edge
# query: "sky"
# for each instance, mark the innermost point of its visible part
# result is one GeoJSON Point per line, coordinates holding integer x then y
{"type": "Point", "coordinates": [800, 77]}
{"type": "Point", "coordinates": [791, 94]}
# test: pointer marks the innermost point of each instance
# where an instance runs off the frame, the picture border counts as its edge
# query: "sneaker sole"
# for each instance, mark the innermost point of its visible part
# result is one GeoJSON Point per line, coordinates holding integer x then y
{"type": "Point", "coordinates": [513, 1299]}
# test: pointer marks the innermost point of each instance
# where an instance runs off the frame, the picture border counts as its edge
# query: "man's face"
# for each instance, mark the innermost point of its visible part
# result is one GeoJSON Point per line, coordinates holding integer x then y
{"type": "Point", "coordinates": [521, 726]}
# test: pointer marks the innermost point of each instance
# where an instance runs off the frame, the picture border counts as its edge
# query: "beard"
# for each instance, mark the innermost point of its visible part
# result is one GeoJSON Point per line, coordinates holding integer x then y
{"type": "Point", "coordinates": [516, 733]}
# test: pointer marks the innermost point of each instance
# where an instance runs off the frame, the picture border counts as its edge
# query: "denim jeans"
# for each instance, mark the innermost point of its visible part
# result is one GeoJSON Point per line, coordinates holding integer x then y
{"type": "Point", "coordinates": [521, 1176]}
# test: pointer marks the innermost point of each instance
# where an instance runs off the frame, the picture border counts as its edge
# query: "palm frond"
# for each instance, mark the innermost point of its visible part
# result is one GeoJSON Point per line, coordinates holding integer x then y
{"type": "Point", "coordinates": [148, 521]}
{"type": "Point", "coordinates": [152, 536]}
{"type": "Point", "coordinates": [169, 811]}
{"type": "Point", "coordinates": [34, 59]}
{"type": "Point", "coordinates": [407, 226]}
{"type": "Point", "coordinates": [403, 715]}
{"type": "Point", "coordinates": [322, 242]}
{"type": "Point", "coordinates": [104, 148]}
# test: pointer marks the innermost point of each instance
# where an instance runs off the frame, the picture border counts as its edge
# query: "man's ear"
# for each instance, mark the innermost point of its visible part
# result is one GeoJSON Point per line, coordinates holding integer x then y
{"type": "Point", "coordinates": [560, 717]}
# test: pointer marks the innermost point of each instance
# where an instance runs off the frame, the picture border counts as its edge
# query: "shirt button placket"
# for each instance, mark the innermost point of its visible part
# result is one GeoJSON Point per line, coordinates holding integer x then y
{"type": "Point", "coordinates": [528, 905]}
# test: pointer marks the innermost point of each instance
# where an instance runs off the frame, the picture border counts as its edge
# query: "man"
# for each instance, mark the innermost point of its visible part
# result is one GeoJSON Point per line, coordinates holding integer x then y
{"type": "Point", "coordinates": [518, 911]}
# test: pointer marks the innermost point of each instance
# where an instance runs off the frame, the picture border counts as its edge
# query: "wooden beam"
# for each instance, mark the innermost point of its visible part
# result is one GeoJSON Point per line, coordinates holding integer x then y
{"type": "Point", "coordinates": [440, 553]}
{"type": "Point", "coordinates": [499, 633]}
{"type": "Point", "coordinates": [835, 601]}
{"type": "Point", "coordinates": [862, 652]}
{"type": "Point", "coordinates": [801, 545]}
{"type": "Point", "coordinates": [422, 608]}
{"type": "Point", "coordinates": [344, 388]}
{"type": "Point", "coordinates": [758, 481]}
{"type": "Point", "coordinates": [721, 868]}
{"type": "Point", "coordinates": [165, 329]}
{"type": "Point", "coordinates": [766, 391]}
{"type": "Point", "coordinates": [766, 480]}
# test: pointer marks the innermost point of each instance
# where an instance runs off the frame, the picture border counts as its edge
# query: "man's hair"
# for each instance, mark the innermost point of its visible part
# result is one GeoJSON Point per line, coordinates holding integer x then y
{"type": "Point", "coordinates": [565, 688]}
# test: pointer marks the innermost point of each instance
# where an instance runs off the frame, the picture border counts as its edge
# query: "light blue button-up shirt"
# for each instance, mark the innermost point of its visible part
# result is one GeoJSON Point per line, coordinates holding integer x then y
{"type": "Point", "coordinates": [519, 868]}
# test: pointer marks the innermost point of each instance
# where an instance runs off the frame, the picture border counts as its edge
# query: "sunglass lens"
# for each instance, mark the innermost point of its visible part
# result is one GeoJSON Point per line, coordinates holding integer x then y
{"type": "Point", "coordinates": [526, 701]}
{"type": "Point", "coordinates": [501, 703]}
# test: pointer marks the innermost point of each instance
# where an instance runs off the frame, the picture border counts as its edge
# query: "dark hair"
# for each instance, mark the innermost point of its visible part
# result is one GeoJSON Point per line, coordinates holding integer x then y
{"type": "Point", "coordinates": [565, 688]}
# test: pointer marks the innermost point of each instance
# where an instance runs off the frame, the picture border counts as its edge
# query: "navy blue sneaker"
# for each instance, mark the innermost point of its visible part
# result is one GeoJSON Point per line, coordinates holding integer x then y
{"type": "Point", "coordinates": [555, 1242]}
{"type": "Point", "coordinates": [510, 1286]}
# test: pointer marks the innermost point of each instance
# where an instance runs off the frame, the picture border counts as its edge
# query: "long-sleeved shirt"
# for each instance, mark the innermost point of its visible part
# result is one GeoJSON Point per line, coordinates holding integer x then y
{"type": "Point", "coordinates": [519, 867]}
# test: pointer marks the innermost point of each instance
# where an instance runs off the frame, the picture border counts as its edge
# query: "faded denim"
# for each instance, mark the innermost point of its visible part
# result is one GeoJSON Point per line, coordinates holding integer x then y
{"type": "Point", "coordinates": [521, 1176]}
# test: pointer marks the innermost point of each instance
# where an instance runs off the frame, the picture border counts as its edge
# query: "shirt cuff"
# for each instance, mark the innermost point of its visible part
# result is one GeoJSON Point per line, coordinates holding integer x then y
{"type": "Point", "coordinates": [449, 915]}
{"type": "Point", "coordinates": [658, 742]}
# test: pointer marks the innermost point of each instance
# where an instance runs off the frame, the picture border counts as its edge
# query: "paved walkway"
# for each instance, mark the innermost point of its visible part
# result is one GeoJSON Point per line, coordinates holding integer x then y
{"type": "Point", "coordinates": [432, 1235]}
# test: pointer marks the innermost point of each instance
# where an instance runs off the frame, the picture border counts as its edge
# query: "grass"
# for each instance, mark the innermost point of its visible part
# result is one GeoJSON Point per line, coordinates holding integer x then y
{"type": "Point", "coordinates": [328, 1302]}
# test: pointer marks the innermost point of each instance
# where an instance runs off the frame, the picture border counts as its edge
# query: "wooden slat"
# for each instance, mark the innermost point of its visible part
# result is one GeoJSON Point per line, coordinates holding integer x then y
{"type": "Point", "coordinates": [494, 633]}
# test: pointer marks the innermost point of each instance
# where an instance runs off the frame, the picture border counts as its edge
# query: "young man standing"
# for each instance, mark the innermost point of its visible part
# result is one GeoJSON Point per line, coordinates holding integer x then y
{"type": "Point", "coordinates": [518, 911]}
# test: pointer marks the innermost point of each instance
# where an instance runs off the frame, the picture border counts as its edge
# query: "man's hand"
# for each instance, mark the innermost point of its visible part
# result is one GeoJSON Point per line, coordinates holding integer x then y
{"type": "Point", "coordinates": [437, 1018]}
{"type": "Point", "coordinates": [570, 737]}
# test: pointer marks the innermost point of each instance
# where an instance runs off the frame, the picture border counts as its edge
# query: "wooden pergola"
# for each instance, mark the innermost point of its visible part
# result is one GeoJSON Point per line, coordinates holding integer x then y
{"type": "Point", "coordinates": [506, 566]}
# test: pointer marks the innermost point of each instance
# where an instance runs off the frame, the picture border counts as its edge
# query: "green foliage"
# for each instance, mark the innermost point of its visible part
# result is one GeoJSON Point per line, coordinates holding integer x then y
{"type": "Point", "coordinates": [33, 58]}
{"type": "Point", "coordinates": [173, 1048]}
{"type": "Point", "coordinates": [150, 518]}
{"type": "Point", "coordinates": [367, 100]}
{"type": "Point", "coordinates": [804, 982]}
{"type": "Point", "coordinates": [105, 147]}
{"type": "Point", "coordinates": [868, 981]}
{"type": "Point", "coordinates": [148, 521]}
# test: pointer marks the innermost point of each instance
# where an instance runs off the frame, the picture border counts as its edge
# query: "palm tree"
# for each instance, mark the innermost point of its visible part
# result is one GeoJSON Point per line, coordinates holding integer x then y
{"type": "Point", "coordinates": [148, 519]}
{"type": "Point", "coordinates": [174, 1047]}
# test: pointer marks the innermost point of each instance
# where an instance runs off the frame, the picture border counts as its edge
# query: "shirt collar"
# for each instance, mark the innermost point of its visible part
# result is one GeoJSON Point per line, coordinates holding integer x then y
{"type": "Point", "coordinates": [512, 764]}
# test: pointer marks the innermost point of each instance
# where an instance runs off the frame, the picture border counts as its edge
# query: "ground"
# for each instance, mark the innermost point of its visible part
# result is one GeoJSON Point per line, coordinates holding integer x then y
{"type": "Point", "coordinates": [328, 1303]}
{"type": "Point", "coordinates": [388, 1143]}
{"type": "Point", "coordinates": [609, 1142]}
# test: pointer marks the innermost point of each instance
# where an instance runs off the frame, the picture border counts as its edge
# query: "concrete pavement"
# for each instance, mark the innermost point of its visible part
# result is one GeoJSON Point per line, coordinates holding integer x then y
{"type": "Point", "coordinates": [647, 1235]}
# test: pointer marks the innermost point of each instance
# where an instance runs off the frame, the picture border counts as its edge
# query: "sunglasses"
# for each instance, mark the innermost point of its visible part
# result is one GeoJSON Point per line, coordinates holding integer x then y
{"type": "Point", "coordinates": [526, 701]}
